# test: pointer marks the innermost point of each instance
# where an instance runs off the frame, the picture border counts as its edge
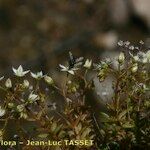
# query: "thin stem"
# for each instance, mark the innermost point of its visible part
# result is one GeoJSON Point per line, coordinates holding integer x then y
{"type": "Point", "coordinates": [97, 125]}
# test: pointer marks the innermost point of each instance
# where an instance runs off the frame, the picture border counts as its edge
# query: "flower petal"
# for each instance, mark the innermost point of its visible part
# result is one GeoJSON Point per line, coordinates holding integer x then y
{"type": "Point", "coordinates": [71, 72]}
{"type": "Point", "coordinates": [61, 66]}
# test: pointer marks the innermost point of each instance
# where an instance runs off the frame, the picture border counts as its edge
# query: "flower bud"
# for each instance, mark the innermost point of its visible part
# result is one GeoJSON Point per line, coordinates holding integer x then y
{"type": "Point", "coordinates": [10, 105]}
{"type": "Point", "coordinates": [134, 68]}
{"type": "Point", "coordinates": [20, 107]}
{"type": "Point", "coordinates": [26, 83]}
{"type": "Point", "coordinates": [8, 83]}
{"type": "Point", "coordinates": [88, 64]}
{"type": "Point", "coordinates": [121, 57]}
{"type": "Point", "coordinates": [48, 80]}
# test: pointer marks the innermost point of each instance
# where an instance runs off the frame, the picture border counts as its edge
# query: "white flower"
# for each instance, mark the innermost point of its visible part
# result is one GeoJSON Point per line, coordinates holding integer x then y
{"type": "Point", "coordinates": [48, 79]}
{"type": "Point", "coordinates": [126, 43]}
{"type": "Point", "coordinates": [37, 75]}
{"type": "Point", "coordinates": [19, 71]}
{"type": "Point", "coordinates": [8, 83]}
{"type": "Point", "coordinates": [134, 68]}
{"type": "Point", "coordinates": [131, 47]}
{"type": "Point", "coordinates": [145, 57]}
{"type": "Point", "coordinates": [33, 97]}
{"type": "Point", "coordinates": [120, 43]}
{"type": "Point", "coordinates": [141, 57]}
{"type": "Point", "coordinates": [141, 42]}
{"type": "Point", "coordinates": [88, 64]}
{"type": "Point", "coordinates": [26, 83]}
{"type": "Point", "coordinates": [121, 57]}
{"type": "Point", "coordinates": [66, 69]}
{"type": "Point", "coordinates": [2, 111]}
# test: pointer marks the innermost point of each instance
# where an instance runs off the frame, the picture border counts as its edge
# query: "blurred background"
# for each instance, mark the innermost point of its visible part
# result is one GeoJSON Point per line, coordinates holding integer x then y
{"type": "Point", "coordinates": [39, 33]}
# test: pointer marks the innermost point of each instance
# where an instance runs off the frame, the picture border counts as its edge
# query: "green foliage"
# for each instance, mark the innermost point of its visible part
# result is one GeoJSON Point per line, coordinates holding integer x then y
{"type": "Point", "coordinates": [33, 99]}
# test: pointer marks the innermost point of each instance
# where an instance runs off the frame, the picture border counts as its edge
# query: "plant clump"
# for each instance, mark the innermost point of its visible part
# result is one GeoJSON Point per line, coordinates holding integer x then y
{"type": "Point", "coordinates": [29, 101]}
